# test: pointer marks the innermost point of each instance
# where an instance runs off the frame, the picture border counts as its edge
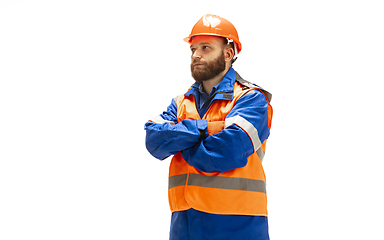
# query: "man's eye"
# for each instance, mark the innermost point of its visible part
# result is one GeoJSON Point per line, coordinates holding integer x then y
{"type": "Point", "coordinates": [193, 49]}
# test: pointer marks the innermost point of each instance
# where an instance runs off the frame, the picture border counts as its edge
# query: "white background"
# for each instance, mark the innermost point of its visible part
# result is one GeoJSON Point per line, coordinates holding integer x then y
{"type": "Point", "coordinates": [79, 79]}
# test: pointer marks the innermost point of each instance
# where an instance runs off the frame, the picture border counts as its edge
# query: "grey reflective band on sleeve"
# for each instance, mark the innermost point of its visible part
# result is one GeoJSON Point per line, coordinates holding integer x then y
{"type": "Point", "coordinates": [160, 120]}
{"type": "Point", "coordinates": [229, 183]}
{"type": "Point", "coordinates": [260, 153]}
{"type": "Point", "coordinates": [247, 127]}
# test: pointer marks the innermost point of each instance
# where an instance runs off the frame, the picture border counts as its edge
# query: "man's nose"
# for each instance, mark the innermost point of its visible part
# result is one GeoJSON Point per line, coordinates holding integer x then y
{"type": "Point", "coordinates": [196, 54]}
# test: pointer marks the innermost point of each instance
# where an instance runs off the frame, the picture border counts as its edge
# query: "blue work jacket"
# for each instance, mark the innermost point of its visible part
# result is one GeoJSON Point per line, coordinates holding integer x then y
{"type": "Point", "coordinates": [168, 137]}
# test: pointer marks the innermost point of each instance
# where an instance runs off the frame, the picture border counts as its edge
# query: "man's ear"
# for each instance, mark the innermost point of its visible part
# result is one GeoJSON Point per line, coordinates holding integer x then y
{"type": "Point", "coordinates": [228, 54]}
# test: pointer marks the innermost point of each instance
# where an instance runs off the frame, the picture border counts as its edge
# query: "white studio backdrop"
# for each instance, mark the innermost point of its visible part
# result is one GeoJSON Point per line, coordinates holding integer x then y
{"type": "Point", "coordinates": [79, 79]}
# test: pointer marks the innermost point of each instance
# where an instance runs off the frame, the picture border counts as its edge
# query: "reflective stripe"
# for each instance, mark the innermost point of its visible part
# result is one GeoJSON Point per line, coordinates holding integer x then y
{"type": "Point", "coordinates": [247, 127]}
{"type": "Point", "coordinates": [243, 184]}
{"type": "Point", "coordinates": [260, 153]}
{"type": "Point", "coordinates": [177, 180]}
{"type": "Point", "coordinates": [160, 120]}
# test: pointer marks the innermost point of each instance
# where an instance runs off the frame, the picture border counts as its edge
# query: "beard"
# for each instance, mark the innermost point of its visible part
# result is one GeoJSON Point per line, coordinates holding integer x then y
{"type": "Point", "coordinates": [209, 70]}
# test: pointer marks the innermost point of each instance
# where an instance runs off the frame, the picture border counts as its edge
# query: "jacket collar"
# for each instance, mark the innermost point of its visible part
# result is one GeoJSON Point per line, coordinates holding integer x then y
{"type": "Point", "coordinates": [224, 90]}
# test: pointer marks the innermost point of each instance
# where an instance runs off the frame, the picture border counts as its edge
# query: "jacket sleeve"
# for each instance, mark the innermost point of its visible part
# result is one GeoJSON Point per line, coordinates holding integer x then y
{"type": "Point", "coordinates": [246, 128]}
{"type": "Point", "coordinates": [165, 136]}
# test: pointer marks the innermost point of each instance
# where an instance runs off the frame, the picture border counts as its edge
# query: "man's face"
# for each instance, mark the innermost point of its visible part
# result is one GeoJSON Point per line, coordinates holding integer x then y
{"type": "Point", "coordinates": [207, 60]}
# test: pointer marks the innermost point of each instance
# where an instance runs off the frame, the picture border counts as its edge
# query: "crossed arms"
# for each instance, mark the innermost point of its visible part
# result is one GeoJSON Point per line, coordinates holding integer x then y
{"type": "Point", "coordinates": [211, 146]}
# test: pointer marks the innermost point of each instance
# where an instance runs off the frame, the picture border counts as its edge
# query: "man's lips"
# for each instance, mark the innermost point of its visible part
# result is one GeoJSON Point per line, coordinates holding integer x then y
{"type": "Point", "coordinates": [197, 64]}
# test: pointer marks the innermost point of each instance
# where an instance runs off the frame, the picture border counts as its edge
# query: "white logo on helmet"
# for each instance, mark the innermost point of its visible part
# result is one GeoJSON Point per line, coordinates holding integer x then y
{"type": "Point", "coordinates": [210, 21]}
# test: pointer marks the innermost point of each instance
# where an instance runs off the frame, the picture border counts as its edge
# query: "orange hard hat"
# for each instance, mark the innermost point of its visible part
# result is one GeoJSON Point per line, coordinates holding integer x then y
{"type": "Point", "coordinates": [215, 26]}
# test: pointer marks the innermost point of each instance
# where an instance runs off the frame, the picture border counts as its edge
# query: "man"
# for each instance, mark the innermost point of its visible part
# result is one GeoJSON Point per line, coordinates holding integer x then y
{"type": "Point", "coordinates": [217, 132]}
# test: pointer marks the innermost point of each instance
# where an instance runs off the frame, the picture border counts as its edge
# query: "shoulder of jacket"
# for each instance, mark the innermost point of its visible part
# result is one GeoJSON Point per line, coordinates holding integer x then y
{"type": "Point", "coordinates": [178, 99]}
{"type": "Point", "coordinates": [248, 85]}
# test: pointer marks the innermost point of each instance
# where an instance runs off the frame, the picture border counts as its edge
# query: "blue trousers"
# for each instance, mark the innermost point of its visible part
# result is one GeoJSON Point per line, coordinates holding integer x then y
{"type": "Point", "coordinates": [195, 225]}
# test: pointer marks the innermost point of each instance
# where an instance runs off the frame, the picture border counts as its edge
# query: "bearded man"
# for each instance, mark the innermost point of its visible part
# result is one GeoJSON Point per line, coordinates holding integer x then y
{"type": "Point", "coordinates": [217, 132]}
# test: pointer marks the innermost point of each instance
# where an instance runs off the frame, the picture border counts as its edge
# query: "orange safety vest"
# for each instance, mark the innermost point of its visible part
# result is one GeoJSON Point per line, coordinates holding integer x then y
{"type": "Point", "coordinates": [241, 191]}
